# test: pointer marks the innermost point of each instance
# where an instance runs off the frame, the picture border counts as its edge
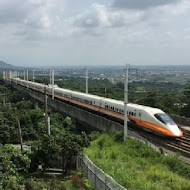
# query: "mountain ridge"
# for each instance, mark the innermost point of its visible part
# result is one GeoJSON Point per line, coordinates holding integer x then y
{"type": "Point", "coordinates": [4, 65]}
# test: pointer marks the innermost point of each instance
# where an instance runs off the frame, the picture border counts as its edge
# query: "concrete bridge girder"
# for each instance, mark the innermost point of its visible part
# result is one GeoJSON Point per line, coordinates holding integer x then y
{"type": "Point", "coordinates": [82, 116]}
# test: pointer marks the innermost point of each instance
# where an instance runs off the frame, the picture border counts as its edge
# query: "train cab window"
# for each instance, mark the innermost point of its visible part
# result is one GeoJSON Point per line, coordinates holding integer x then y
{"type": "Point", "coordinates": [164, 118]}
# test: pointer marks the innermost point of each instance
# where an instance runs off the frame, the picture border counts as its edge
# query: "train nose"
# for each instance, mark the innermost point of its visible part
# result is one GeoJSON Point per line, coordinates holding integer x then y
{"type": "Point", "coordinates": [175, 130]}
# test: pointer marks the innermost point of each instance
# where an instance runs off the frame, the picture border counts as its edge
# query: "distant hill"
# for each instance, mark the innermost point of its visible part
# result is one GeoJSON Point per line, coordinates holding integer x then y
{"type": "Point", "coordinates": [4, 65]}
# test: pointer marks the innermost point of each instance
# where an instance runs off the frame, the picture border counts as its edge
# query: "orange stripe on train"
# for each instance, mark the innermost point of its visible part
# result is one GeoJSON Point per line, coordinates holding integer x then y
{"type": "Point", "coordinates": [139, 122]}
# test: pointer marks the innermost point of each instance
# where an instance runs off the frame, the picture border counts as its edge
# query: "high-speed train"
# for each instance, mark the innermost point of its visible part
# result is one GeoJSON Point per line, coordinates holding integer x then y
{"type": "Point", "coordinates": [152, 119]}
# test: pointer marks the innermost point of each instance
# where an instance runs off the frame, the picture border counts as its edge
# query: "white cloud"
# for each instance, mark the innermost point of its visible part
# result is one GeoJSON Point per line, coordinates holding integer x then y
{"type": "Point", "coordinates": [101, 30]}
{"type": "Point", "coordinates": [141, 4]}
{"type": "Point", "coordinates": [100, 16]}
{"type": "Point", "coordinates": [28, 18]}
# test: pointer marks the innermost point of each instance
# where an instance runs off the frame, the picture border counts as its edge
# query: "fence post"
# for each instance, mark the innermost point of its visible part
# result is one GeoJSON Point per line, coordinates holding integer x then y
{"type": "Point", "coordinates": [105, 182]}
{"type": "Point", "coordinates": [95, 174]}
{"type": "Point", "coordinates": [87, 170]}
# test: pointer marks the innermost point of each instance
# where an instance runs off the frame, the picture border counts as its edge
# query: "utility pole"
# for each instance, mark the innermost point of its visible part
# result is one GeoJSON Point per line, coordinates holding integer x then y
{"type": "Point", "coordinates": [27, 77]}
{"type": "Point", "coordinates": [19, 130]}
{"type": "Point", "coordinates": [86, 81]}
{"type": "Point", "coordinates": [3, 75]}
{"type": "Point", "coordinates": [32, 75]}
{"type": "Point", "coordinates": [45, 107]}
{"type": "Point", "coordinates": [125, 101]}
{"type": "Point", "coordinates": [50, 76]}
{"type": "Point", "coordinates": [53, 84]}
{"type": "Point", "coordinates": [16, 76]}
{"type": "Point", "coordinates": [20, 135]}
{"type": "Point", "coordinates": [24, 75]}
{"type": "Point", "coordinates": [49, 129]}
{"type": "Point", "coordinates": [10, 76]}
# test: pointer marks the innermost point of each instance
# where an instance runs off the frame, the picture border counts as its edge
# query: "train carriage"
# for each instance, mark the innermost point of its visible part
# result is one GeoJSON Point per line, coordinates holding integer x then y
{"type": "Point", "coordinates": [150, 118]}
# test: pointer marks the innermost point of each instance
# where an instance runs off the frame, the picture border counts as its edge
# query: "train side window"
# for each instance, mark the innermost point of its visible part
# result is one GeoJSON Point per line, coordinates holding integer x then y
{"type": "Point", "coordinates": [139, 114]}
{"type": "Point", "coordinates": [135, 114]}
{"type": "Point", "coordinates": [132, 113]}
{"type": "Point", "coordinates": [129, 113]}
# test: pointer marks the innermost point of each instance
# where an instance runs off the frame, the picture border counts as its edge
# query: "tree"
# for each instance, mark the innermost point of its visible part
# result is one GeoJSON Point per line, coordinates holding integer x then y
{"type": "Point", "coordinates": [186, 108]}
{"type": "Point", "coordinates": [58, 150]}
{"type": "Point", "coordinates": [71, 145]}
{"type": "Point", "coordinates": [11, 162]}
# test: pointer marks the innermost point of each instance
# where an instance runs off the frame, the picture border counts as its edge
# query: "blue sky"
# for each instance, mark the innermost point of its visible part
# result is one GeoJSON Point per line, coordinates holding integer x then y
{"type": "Point", "coordinates": [91, 32]}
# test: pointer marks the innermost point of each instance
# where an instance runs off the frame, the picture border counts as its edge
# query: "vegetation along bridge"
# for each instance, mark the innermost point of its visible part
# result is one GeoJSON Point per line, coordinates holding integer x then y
{"type": "Point", "coordinates": [94, 120]}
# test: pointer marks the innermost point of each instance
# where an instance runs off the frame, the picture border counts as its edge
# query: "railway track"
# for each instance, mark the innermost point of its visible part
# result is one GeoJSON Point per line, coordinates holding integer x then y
{"type": "Point", "coordinates": [180, 145]}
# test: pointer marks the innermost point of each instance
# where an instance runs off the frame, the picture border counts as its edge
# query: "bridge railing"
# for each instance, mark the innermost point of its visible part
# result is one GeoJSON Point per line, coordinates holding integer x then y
{"type": "Point", "coordinates": [96, 176]}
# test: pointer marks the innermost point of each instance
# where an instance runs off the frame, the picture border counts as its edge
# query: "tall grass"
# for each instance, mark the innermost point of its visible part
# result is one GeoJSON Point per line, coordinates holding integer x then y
{"type": "Point", "coordinates": [137, 166]}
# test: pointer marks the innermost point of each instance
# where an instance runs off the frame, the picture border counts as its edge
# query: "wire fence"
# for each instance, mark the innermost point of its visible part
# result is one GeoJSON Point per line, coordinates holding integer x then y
{"type": "Point", "coordinates": [96, 176]}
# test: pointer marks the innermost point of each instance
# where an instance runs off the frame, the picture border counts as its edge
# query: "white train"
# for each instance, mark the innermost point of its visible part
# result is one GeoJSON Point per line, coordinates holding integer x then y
{"type": "Point", "coordinates": [147, 117]}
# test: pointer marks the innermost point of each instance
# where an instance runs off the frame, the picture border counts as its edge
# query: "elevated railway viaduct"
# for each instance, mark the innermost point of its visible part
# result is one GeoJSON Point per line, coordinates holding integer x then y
{"type": "Point", "coordinates": [78, 115]}
{"type": "Point", "coordinates": [92, 120]}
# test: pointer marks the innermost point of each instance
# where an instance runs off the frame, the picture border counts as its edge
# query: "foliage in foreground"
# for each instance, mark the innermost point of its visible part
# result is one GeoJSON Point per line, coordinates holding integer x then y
{"type": "Point", "coordinates": [137, 166]}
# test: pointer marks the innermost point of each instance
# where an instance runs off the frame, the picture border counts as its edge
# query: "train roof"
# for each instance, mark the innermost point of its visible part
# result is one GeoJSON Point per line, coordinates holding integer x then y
{"type": "Point", "coordinates": [135, 106]}
{"type": "Point", "coordinates": [113, 101]}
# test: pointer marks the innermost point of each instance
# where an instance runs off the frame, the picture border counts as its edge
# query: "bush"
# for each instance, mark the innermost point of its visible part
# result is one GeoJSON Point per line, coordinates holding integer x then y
{"type": "Point", "coordinates": [119, 136]}
{"type": "Point", "coordinates": [12, 183]}
{"type": "Point", "coordinates": [55, 185]}
{"type": "Point", "coordinates": [94, 135]}
{"type": "Point", "coordinates": [33, 184]}
{"type": "Point", "coordinates": [101, 143]}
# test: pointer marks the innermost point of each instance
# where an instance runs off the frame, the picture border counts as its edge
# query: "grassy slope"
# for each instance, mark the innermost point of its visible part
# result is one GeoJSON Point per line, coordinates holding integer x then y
{"type": "Point", "coordinates": [137, 166]}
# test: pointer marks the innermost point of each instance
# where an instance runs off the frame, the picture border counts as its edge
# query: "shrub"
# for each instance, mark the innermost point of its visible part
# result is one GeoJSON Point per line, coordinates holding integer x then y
{"type": "Point", "coordinates": [12, 183]}
{"type": "Point", "coordinates": [34, 184]}
{"type": "Point", "coordinates": [118, 137]}
{"type": "Point", "coordinates": [101, 143]}
{"type": "Point", "coordinates": [94, 135]}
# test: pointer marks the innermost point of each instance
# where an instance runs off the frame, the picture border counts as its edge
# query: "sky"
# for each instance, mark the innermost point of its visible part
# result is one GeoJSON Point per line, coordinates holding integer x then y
{"type": "Point", "coordinates": [94, 32]}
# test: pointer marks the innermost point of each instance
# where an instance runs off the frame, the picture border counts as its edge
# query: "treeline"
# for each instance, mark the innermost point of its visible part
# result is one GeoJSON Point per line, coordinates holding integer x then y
{"type": "Point", "coordinates": [18, 167]}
